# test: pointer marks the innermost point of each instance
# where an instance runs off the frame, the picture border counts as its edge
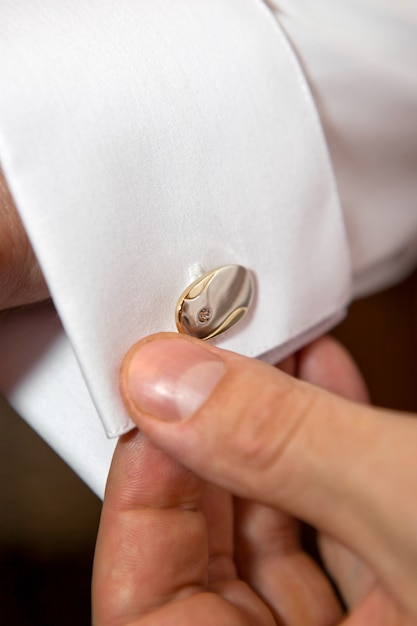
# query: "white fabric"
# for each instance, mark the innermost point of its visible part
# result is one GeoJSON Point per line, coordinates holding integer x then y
{"type": "Point", "coordinates": [140, 138]}
{"type": "Point", "coordinates": [360, 57]}
{"type": "Point", "coordinates": [156, 136]}
{"type": "Point", "coordinates": [40, 376]}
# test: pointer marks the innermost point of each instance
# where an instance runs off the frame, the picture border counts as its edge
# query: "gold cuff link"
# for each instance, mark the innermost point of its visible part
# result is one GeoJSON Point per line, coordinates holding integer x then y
{"type": "Point", "coordinates": [214, 302]}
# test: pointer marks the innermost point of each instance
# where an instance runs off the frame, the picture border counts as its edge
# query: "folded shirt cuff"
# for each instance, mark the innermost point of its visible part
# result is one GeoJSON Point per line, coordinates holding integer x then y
{"type": "Point", "coordinates": [168, 135]}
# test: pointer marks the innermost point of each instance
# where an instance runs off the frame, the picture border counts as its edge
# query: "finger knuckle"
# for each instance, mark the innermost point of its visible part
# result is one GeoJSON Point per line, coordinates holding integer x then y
{"type": "Point", "coordinates": [270, 423]}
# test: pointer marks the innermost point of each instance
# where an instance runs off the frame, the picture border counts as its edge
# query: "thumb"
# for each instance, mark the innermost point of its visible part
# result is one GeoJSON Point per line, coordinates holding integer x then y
{"type": "Point", "coordinates": [262, 435]}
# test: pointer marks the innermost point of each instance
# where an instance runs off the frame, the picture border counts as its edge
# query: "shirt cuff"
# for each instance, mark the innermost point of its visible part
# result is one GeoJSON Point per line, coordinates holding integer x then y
{"type": "Point", "coordinates": [138, 143]}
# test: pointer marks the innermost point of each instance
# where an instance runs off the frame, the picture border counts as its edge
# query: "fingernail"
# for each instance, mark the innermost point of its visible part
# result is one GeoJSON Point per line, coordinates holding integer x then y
{"type": "Point", "coordinates": [171, 378]}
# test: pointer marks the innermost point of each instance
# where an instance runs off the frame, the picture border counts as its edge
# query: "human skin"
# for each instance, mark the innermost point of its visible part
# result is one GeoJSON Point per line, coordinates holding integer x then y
{"type": "Point", "coordinates": [199, 524]}
{"type": "Point", "coordinates": [21, 281]}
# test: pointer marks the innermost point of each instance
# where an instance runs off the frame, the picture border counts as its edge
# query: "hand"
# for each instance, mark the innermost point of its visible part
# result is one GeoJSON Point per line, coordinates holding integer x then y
{"type": "Point", "coordinates": [21, 281]}
{"type": "Point", "coordinates": [170, 552]}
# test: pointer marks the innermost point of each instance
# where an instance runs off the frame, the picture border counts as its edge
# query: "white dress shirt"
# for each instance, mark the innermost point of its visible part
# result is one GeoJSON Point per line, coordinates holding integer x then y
{"type": "Point", "coordinates": [145, 138]}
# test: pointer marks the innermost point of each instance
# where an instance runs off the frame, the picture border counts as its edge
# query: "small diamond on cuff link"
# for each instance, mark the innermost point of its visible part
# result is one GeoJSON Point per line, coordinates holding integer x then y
{"type": "Point", "coordinates": [204, 315]}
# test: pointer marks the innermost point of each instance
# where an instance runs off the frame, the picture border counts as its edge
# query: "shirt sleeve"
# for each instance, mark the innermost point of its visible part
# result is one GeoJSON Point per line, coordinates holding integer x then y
{"type": "Point", "coordinates": [360, 59]}
{"type": "Point", "coordinates": [141, 140]}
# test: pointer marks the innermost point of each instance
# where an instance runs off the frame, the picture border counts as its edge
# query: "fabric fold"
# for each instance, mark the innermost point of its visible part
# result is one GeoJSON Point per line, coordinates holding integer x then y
{"type": "Point", "coordinates": [138, 140]}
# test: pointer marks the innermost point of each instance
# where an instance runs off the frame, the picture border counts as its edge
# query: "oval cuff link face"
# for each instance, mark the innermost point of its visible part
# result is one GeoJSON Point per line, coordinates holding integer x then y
{"type": "Point", "coordinates": [214, 302]}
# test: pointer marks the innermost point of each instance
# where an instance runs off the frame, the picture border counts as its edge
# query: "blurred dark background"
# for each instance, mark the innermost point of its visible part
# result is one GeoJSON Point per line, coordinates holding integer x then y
{"type": "Point", "coordinates": [49, 518]}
